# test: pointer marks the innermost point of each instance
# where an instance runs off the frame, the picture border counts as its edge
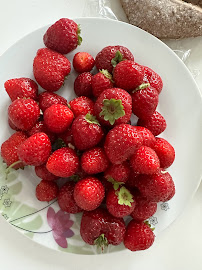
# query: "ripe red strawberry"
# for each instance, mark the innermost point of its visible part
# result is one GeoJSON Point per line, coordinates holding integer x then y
{"type": "Point", "coordinates": [46, 191]}
{"type": "Point", "coordinates": [44, 174]}
{"type": "Point", "coordinates": [100, 228]}
{"type": "Point", "coordinates": [41, 127]}
{"type": "Point", "coordinates": [24, 113]}
{"type": "Point", "coordinates": [121, 143]}
{"type": "Point", "coordinates": [63, 162]}
{"type": "Point", "coordinates": [128, 75]}
{"type": "Point", "coordinates": [156, 123]}
{"type": "Point", "coordinates": [145, 101]}
{"type": "Point", "coordinates": [156, 187]}
{"type": "Point", "coordinates": [50, 69]}
{"type": "Point", "coordinates": [101, 81]}
{"type": "Point", "coordinates": [145, 161]}
{"type": "Point", "coordinates": [9, 149]}
{"type": "Point", "coordinates": [86, 131]}
{"type": "Point", "coordinates": [109, 56]}
{"type": "Point", "coordinates": [113, 107]}
{"type": "Point", "coordinates": [83, 62]}
{"type": "Point", "coordinates": [12, 126]}
{"type": "Point", "coordinates": [83, 84]}
{"type": "Point", "coordinates": [21, 88]}
{"type": "Point", "coordinates": [89, 193]}
{"type": "Point", "coordinates": [148, 138]}
{"type": "Point", "coordinates": [94, 161]}
{"type": "Point", "coordinates": [63, 36]}
{"type": "Point", "coordinates": [120, 203]}
{"type": "Point", "coordinates": [118, 172]}
{"type": "Point", "coordinates": [66, 198]}
{"type": "Point", "coordinates": [35, 150]}
{"type": "Point", "coordinates": [153, 78]}
{"type": "Point", "coordinates": [58, 118]}
{"type": "Point", "coordinates": [81, 106]}
{"type": "Point", "coordinates": [138, 236]}
{"type": "Point", "coordinates": [165, 152]}
{"type": "Point", "coordinates": [46, 99]}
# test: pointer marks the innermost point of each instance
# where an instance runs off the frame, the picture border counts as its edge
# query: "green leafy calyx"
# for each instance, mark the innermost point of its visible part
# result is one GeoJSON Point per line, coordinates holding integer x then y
{"type": "Point", "coordinates": [124, 196]}
{"type": "Point", "coordinates": [101, 241]}
{"type": "Point", "coordinates": [115, 184]}
{"type": "Point", "coordinates": [106, 73]}
{"type": "Point", "coordinates": [91, 119]}
{"type": "Point", "coordinates": [78, 33]}
{"type": "Point", "coordinates": [117, 59]}
{"type": "Point", "coordinates": [141, 86]}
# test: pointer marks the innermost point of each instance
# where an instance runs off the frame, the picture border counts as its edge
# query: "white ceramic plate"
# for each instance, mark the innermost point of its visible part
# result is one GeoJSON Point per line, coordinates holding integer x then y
{"type": "Point", "coordinates": [180, 103]}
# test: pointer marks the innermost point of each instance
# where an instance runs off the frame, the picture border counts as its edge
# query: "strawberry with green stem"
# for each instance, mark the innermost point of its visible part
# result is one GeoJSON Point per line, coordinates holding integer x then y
{"type": "Point", "coordinates": [101, 81]}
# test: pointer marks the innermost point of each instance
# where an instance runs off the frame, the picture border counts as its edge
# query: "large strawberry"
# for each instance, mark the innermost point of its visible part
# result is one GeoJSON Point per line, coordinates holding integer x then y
{"type": "Point", "coordinates": [46, 99]}
{"type": "Point", "coordinates": [50, 69]}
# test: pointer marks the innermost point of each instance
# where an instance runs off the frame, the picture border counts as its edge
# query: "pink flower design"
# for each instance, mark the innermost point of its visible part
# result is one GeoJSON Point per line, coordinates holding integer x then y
{"type": "Point", "coordinates": [60, 224]}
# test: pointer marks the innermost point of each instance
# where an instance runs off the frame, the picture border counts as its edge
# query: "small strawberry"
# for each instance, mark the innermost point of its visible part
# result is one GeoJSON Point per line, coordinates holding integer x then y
{"type": "Point", "coordinates": [9, 149]}
{"type": "Point", "coordinates": [63, 162]}
{"type": "Point", "coordinates": [35, 150]}
{"type": "Point", "coordinates": [153, 79]}
{"type": "Point", "coordinates": [165, 152]}
{"type": "Point", "coordinates": [100, 228]}
{"type": "Point", "coordinates": [89, 193]}
{"type": "Point", "coordinates": [138, 236]}
{"type": "Point", "coordinates": [120, 203]}
{"type": "Point", "coordinates": [86, 131]}
{"type": "Point", "coordinates": [81, 106]}
{"type": "Point", "coordinates": [46, 99]}
{"type": "Point", "coordinates": [156, 123]}
{"type": "Point", "coordinates": [24, 113]}
{"type": "Point", "coordinates": [128, 75]}
{"type": "Point", "coordinates": [41, 127]}
{"type": "Point", "coordinates": [66, 198]}
{"type": "Point", "coordinates": [94, 161]}
{"type": "Point", "coordinates": [50, 69]}
{"type": "Point", "coordinates": [113, 107]}
{"type": "Point", "coordinates": [101, 81]}
{"type": "Point", "coordinates": [58, 118]}
{"type": "Point", "coordinates": [46, 191]}
{"type": "Point", "coordinates": [148, 138]}
{"type": "Point", "coordinates": [63, 36]}
{"type": "Point", "coordinates": [21, 88]}
{"type": "Point", "coordinates": [83, 84]}
{"type": "Point", "coordinates": [44, 174]}
{"type": "Point", "coordinates": [118, 172]}
{"type": "Point", "coordinates": [109, 56]}
{"type": "Point", "coordinates": [83, 62]}
{"type": "Point", "coordinates": [145, 161]}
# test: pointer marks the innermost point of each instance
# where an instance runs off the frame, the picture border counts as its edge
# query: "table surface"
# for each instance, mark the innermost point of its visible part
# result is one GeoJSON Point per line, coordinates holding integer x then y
{"type": "Point", "coordinates": [179, 246]}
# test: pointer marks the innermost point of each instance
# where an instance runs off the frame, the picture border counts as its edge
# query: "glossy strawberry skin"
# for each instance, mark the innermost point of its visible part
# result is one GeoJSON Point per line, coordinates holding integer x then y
{"type": "Point", "coordinates": [153, 79]}
{"type": "Point", "coordinates": [47, 99]}
{"type": "Point", "coordinates": [35, 150]}
{"type": "Point", "coordinates": [44, 174]}
{"type": "Point", "coordinates": [46, 191]}
{"type": "Point", "coordinates": [119, 172]}
{"type": "Point", "coordinates": [81, 106]}
{"type": "Point", "coordinates": [99, 83]}
{"type": "Point", "coordinates": [21, 88]}
{"type": "Point", "coordinates": [41, 127]}
{"type": "Point", "coordinates": [83, 84]}
{"type": "Point", "coordinates": [148, 138]}
{"type": "Point", "coordinates": [50, 69]}
{"type": "Point", "coordinates": [12, 126]}
{"type": "Point", "coordinates": [24, 113]}
{"type": "Point", "coordinates": [83, 62]}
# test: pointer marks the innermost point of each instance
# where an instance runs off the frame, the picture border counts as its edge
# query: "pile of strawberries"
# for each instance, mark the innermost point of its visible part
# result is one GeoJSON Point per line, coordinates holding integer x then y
{"type": "Point", "coordinates": [114, 172]}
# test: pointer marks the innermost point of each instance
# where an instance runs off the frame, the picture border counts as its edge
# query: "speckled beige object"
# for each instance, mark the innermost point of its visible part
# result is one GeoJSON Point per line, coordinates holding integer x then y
{"type": "Point", "coordinates": [165, 18]}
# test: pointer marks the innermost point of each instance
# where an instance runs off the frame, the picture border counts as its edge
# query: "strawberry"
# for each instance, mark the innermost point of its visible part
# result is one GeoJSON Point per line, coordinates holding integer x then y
{"type": "Point", "coordinates": [128, 75]}
{"type": "Point", "coordinates": [63, 162]}
{"type": "Point", "coordinates": [44, 174]}
{"type": "Point", "coordinates": [66, 198]}
{"type": "Point", "coordinates": [83, 62]}
{"type": "Point", "coordinates": [86, 131]}
{"type": "Point", "coordinates": [63, 36]}
{"type": "Point", "coordinates": [165, 152]}
{"type": "Point", "coordinates": [100, 228]}
{"type": "Point", "coordinates": [35, 150]}
{"type": "Point", "coordinates": [118, 172]}
{"type": "Point", "coordinates": [171, 193]}
{"type": "Point", "coordinates": [145, 161]}
{"type": "Point", "coordinates": [120, 202]}
{"type": "Point", "coordinates": [89, 193]}
{"type": "Point", "coordinates": [41, 127]}
{"type": "Point", "coordinates": [9, 149]}
{"type": "Point", "coordinates": [109, 56]}
{"type": "Point", "coordinates": [147, 136]}
{"type": "Point", "coordinates": [50, 69]}
{"type": "Point", "coordinates": [153, 79]}
{"type": "Point", "coordinates": [24, 113]}
{"type": "Point", "coordinates": [138, 236]}
{"type": "Point", "coordinates": [81, 106]}
{"type": "Point", "coordinates": [132, 180]}
{"type": "Point", "coordinates": [58, 118]}
{"type": "Point", "coordinates": [101, 81]}
{"type": "Point", "coordinates": [83, 84]}
{"type": "Point", "coordinates": [12, 126]}
{"type": "Point", "coordinates": [94, 161]}
{"type": "Point", "coordinates": [46, 99]}
{"type": "Point", "coordinates": [21, 88]}
{"type": "Point", "coordinates": [156, 187]}
{"type": "Point", "coordinates": [46, 191]}
{"type": "Point", "coordinates": [113, 107]}
{"type": "Point", "coordinates": [145, 101]}
{"type": "Point", "coordinates": [121, 143]}
{"type": "Point", "coordinates": [156, 123]}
